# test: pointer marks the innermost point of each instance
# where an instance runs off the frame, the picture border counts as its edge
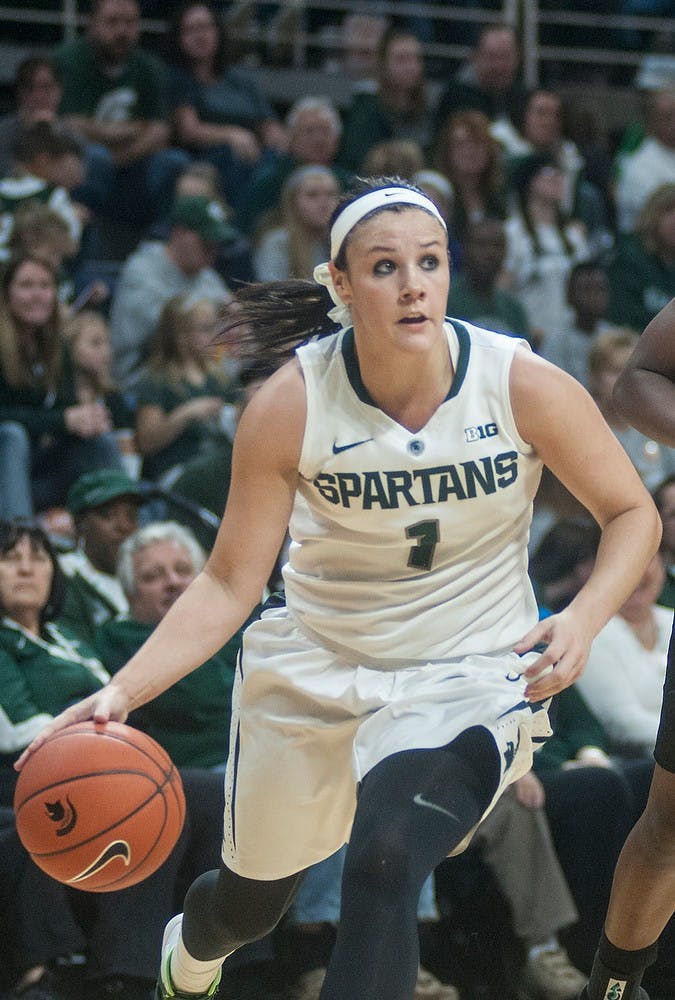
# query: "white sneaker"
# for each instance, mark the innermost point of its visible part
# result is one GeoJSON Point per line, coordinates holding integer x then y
{"type": "Point", "coordinates": [165, 990]}
{"type": "Point", "coordinates": [550, 975]}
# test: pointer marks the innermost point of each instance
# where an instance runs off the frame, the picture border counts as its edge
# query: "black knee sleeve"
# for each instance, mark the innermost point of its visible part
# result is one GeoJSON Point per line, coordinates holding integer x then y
{"type": "Point", "coordinates": [223, 911]}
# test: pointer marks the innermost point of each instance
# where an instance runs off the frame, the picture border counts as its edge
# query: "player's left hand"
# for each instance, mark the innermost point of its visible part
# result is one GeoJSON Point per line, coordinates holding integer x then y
{"type": "Point", "coordinates": [105, 705]}
{"type": "Point", "coordinates": [563, 660]}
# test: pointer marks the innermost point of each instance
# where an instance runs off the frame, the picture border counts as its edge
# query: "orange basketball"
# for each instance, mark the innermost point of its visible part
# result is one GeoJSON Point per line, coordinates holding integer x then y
{"type": "Point", "coordinates": [99, 806]}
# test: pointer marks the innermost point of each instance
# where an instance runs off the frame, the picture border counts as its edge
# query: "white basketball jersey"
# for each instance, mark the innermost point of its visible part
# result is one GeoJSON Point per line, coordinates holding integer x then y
{"type": "Point", "coordinates": [412, 546]}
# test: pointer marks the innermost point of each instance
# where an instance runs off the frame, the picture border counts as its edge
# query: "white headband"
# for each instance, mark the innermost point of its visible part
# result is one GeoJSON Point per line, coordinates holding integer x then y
{"type": "Point", "coordinates": [350, 217]}
{"type": "Point", "coordinates": [367, 203]}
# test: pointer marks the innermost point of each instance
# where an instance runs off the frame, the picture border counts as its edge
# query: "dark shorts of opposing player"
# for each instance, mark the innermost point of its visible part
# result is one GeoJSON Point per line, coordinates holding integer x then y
{"type": "Point", "coordinates": [664, 751]}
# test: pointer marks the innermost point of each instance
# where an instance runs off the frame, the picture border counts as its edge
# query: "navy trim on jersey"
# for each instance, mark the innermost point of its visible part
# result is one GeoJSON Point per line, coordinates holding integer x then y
{"type": "Point", "coordinates": [237, 748]}
{"type": "Point", "coordinates": [464, 341]}
{"type": "Point", "coordinates": [354, 372]}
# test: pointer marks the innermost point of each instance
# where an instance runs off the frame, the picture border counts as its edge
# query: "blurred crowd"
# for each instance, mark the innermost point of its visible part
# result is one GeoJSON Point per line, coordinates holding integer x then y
{"type": "Point", "coordinates": [140, 186]}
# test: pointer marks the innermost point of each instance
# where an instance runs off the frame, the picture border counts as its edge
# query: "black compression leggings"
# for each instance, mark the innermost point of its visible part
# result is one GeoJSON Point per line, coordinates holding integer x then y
{"type": "Point", "coordinates": [414, 808]}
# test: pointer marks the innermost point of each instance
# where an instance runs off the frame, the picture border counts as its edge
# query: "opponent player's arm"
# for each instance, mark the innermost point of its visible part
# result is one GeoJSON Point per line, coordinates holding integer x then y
{"type": "Point", "coordinates": [218, 601]}
{"type": "Point", "coordinates": [645, 390]}
{"type": "Point", "coordinates": [558, 417]}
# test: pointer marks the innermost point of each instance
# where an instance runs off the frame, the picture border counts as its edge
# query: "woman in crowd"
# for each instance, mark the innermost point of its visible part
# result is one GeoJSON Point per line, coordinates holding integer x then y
{"type": "Point", "coordinates": [469, 157]}
{"type": "Point", "coordinates": [220, 115]}
{"type": "Point", "coordinates": [47, 436]}
{"type": "Point", "coordinates": [623, 682]}
{"type": "Point", "coordinates": [642, 273]}
{"type": "Point", "coordinates": [543, 244]}
{"type": "Point", "coordinates": [542, 131]}
{"type": "Point", "coordinates": [400, 108]}
{"type": "Point", "coordinates": [88, 337]}
{"type": "Point", "coordinates": [182, 401]}
{"type": "Point", "coordinates": [293, 249]}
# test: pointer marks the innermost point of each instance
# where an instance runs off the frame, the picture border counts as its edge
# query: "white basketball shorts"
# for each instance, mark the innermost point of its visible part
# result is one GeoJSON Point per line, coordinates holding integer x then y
{"type": "Point", "coordinates": [307, 726]}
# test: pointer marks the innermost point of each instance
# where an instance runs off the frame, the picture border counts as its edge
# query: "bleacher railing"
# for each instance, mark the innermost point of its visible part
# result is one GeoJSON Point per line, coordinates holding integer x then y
{"type": "Point", "coordinates": [542, 28]}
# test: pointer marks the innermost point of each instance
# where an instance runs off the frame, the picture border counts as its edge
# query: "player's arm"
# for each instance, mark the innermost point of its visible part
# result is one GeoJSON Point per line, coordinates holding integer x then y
{"type": "Point", "coordinates": [264, 475]}
{"type": "Point", "coordinates": [645, 390]}
{"type": "Point", "coordinates": [558, 417]}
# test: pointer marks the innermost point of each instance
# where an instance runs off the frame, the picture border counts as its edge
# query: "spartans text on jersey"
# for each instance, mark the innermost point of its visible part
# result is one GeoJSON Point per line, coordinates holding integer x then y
{"type": "Point", "coordinates": [440, 484]}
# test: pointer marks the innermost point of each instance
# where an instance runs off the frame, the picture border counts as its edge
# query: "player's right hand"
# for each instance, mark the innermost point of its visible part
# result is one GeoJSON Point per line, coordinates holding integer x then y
{"type": "Point", "coordinates": [108, 704]}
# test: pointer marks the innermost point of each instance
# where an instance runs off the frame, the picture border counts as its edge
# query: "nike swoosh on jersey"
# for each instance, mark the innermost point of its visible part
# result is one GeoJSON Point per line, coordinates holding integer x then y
{"type": "Point", "coordinates": [337, 448]}
{"type": "Point", "coordinates": [419, 800]}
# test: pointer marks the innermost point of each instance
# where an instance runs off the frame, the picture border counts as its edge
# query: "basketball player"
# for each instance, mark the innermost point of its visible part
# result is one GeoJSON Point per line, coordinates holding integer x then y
{"type": "Point", "coordinates": [397, 695]}
{"type": "Point", "coordinates": [643, 893]}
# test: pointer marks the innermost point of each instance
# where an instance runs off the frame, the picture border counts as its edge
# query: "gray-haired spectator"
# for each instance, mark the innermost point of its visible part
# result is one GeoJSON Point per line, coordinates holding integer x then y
{"type": "Point", "coordinates": [191, 720]}
{"type": "Point", "coordinates": [314, 130]}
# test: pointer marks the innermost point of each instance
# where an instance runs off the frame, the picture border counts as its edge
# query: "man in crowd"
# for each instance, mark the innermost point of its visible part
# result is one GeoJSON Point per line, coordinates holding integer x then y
{"type": "Point", "coordinates": [104, 506]}
{"type": "Point", "coordinates": [114, 94]}
{"type": "Point", "coordinates": [314, 130]}
{"type": "Point", "coordinates": [180, 265]}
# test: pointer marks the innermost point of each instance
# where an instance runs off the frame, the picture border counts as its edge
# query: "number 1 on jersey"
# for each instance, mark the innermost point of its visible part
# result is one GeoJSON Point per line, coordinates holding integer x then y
{"type": "Point", "coordinates": [426, 535]}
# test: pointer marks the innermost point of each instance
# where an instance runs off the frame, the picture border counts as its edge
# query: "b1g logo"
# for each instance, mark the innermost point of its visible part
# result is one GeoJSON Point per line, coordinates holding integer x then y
{"type": "Point", "coordinates": [481, 432]}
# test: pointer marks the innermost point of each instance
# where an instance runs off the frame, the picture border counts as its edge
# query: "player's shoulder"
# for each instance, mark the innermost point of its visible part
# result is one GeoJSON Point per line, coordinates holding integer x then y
{"type": "Point", "coordinates": [320, 350]}
{"type": "Point", "coordinates": [276, 412]}
{"type": "Point", "coordinates": [473, 340]}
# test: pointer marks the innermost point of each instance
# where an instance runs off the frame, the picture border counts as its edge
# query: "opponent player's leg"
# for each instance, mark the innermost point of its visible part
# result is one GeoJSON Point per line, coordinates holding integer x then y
{"type": "Point", "coordinates": [223, 911]}
{"type": "Point", "coordinates": [414, 808]}
{"type": "Point", "coordinates": [642, 899]}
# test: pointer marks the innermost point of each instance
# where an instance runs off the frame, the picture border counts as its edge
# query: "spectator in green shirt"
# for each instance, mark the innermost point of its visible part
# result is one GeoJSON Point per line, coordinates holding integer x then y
{"type": "Point", "coordinates": [115, 94]}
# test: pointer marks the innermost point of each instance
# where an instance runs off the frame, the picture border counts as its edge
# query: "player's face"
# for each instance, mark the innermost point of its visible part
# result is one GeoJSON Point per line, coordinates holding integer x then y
{"type": "Point", "coordinates": [397, 280]}
{"type": "Point", "coordinates": [162, 571]}
{"type": "Point", "coordinates": [26, 574]}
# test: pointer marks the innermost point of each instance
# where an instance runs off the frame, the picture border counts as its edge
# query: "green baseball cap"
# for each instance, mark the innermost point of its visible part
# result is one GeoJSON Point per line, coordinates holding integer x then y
{"type": "Point", "coordinates": [203, 216]}
{"type": "Point", "coordinates": [93, 489]}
